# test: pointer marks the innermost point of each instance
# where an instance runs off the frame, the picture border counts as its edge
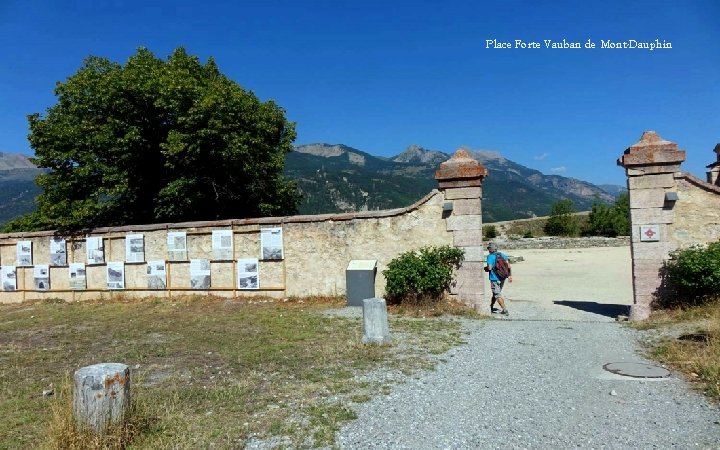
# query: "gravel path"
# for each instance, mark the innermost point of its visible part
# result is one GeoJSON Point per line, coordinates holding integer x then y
{"type": "Point", "coordinates": [536, 379]}
{"type": "Point", "coordinates": [536, 384]}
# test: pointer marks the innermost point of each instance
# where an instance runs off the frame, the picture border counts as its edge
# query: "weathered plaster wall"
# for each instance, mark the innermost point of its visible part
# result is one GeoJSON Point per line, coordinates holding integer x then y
{"type": "Point", "coordinates": [697, 212]}
{"type": "Point", "coordinates": [317, 250]}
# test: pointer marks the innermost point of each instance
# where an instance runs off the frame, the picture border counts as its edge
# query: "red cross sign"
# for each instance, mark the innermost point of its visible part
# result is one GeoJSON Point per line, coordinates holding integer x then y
{"type": "Point", "coordinates": [649, 232]}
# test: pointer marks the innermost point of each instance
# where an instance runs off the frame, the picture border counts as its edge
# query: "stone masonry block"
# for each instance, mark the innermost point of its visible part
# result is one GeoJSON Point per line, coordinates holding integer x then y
{"type": "Point", "coordinates": [466, 206]}
{"type": "Point", "coordinates": [639, 311]}
{"type": "Point", "coordinates": [649, 170]}
{"type": "Point", "coordinates": [459, 183]}
{"type": "Point", "coordinates": [649, 216]}
{"type": "Point", "coordinates": [651, 250]}
{"type": "Point", "coordinates": [665, 180]}
{"type": "Point", "coordinates": [468, 192]}
{"type": "Point", "coordinates": [469, 278]}
{"type": "Point", "coordinates": [470, 222]}
{"type": "Point", "coordinates": [466, 238]}
{"type": "Point", "coordinates": [650, 271]}
{"type": "Point", "coordinates": [474, 253]}
{"type": "Point", "coordinates": [647, 198]}
{"type": "Point", "coordinates": [647, 285]}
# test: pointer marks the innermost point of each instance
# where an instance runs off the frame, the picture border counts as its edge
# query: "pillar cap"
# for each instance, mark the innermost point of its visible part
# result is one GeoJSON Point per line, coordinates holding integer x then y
{"type": "Point", "coordinates": [651, 150]}
{"type": "Point", "coordinates": [460, 167]}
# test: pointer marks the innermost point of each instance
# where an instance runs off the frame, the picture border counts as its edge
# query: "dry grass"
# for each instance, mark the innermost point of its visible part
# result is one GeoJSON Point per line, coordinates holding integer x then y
{"type": "Point", "coordinates": [206, 371]}
{"type": "Point", "coordinates": [426, 307]}
{"type": "Point", "coordinates": [689, 341]}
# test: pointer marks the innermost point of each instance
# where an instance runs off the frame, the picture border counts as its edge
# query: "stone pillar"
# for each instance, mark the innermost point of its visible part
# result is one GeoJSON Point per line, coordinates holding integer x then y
{"type": "Point", "coordinates": [650, 165]}
{"type": "Point", "coordinates": [713, 175]}
{"type": "Point", "coordinates": [101, 395]}
{"type": "Point", "coordinates": [375, 321]}
{"type": "Point", "coordinates": [460, 179]}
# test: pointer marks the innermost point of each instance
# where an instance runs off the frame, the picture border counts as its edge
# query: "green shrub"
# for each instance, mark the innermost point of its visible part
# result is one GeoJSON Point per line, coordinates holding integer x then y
{"type": "Point", "coordinates": [528, 234]}
{"type": "Point", "coordinates": [693, 275]}
{"type": "Point", "coordinates": [489, 231]}
{"type": "Point", "coordinates": [562, 221]}
{"type": "Point", "coordinates": [422, 275]}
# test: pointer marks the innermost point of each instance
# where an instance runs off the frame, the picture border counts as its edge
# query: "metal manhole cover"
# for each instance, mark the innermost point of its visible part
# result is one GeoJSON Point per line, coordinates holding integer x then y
{"type": "Point", "coordinates": [637, 370]}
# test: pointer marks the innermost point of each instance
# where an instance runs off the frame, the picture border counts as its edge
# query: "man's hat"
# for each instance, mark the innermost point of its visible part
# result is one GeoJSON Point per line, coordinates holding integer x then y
{"type": "Point", "coordinates": [492, 245]}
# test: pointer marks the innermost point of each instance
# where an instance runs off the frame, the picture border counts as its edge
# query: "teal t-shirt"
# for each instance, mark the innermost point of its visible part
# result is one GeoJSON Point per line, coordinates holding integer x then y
{"type": "Point", "coordinates": [491, 262]}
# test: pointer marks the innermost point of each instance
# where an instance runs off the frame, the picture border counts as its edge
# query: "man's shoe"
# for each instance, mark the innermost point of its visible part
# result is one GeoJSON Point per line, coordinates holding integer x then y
{"type": "Point", "coordinates": [494, 310]}
{"type": "Point", "coordinates": [504, 312]}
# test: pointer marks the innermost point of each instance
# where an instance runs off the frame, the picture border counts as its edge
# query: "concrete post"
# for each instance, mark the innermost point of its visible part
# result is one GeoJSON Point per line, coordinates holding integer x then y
{"type": "Point", "coordinates": [101, 395]}
{"type": "Point", "coordinates": [375, 321]}
{"type": "Point", "coordinates": [650, 166]}
{"type": "Point", "coordinates": [460, 179]}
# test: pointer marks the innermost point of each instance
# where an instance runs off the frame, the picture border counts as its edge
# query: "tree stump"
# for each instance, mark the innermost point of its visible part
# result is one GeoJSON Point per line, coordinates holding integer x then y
{"type": "Point", "coordinates": [375, 321]}
{"type": "Point", "coordinates": [101, 395]}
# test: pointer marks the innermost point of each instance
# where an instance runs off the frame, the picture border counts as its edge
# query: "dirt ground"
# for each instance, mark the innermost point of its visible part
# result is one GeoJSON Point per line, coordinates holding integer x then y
{"type": "Point", "coordinates": [569, 284]}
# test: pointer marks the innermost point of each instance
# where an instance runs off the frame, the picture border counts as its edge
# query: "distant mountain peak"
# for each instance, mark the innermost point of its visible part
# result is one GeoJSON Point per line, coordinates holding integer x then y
{"type": "Point", "coordinates": [10, 161]}
{"type": "Point", "coordinates": [419, 155]}
{"type": "Point", "coordinates": [322, 149]}
{"type": "Point", "coordinates": [487, 155]}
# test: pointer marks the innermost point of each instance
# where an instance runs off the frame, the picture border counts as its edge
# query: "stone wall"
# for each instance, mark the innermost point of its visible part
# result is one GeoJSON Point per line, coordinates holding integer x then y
{"type": "Point", "coordinates": [317, 250]}
{"type": "Point", "coordinates": [560, 242]}
{"type": "Point", "coordinates": [669, 210]}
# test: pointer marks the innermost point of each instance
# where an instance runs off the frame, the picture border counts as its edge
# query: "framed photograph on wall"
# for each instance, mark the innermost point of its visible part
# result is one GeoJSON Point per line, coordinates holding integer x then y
{"type": "Point", "coordinates": [177, 245]}
{"type": "Point", "coordinates": [157, 275]}
{"type": "Point", "coordinates": [271, 243]}
{"type": "Point", "coordinates": [222, 245]}
{"type": "Point", "coordinates": [41, 277]}
{"type": "Point", "coordinates": [200, 274]}
{"type": "Point", "coordinates": [8, 274]}
{"type": "Point", "coordinates": [248, 274]}
{"type": "Point", "coordinates": [77, 276]}
{"type": "Point", "coordinates": [58, 251]}
{"type": "Point", "coordinates": [115, 275]}
{"type": "Point", "coordinates": [134, 248]}
{"type": "Point", "coordinates": [24, 253]}
{"type": "Point", "coordinates": [95, 250]}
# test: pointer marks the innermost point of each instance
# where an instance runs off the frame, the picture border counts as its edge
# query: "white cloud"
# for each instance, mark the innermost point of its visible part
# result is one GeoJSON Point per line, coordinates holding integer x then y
{"type": "Point", "coordinates": [541, 157]}
{"type": "Point", "coordinates": [558, 169]}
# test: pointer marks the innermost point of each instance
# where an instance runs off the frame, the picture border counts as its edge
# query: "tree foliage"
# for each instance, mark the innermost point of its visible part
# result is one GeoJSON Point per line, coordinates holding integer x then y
{"type": "Point", "coordinates": [421, 275]}
{"type": "Point", "coordinates": [693, 275]}
{"type": "Point", "coordinates": [605, 220]}
{"type": "Point", "coordinates": [157, 140]}
{"type": "Point", "coordinates": [562, 220]}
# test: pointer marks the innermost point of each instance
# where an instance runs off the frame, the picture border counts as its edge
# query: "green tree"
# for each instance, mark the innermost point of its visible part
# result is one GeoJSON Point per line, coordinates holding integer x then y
{"type": "Point", "coordinates": [562, 221]}
{"type": "Point", "coordinates": [613, 220]}
{"type": "Point", "coordinates": [157, 140]}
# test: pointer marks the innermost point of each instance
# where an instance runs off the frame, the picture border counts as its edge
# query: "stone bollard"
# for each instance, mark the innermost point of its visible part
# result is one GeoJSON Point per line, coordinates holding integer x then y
{"type": "Point", "coordinates": [101, 395]}
{"type": "Point", "coordinates": [375, 321]}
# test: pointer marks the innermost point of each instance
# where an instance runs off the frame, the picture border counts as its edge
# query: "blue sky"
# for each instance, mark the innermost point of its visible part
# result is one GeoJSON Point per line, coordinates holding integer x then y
{"type": "Point", "coordinates": [381, 75]}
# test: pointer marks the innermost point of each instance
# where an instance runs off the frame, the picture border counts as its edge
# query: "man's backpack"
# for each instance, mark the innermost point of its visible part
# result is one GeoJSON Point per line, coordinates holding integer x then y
{"type": "Point", "coordinates": [502, 268]}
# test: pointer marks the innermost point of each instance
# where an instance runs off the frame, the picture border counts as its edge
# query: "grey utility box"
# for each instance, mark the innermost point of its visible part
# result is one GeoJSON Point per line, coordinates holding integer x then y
{"type": "Point", "coordinates": [360, 280]}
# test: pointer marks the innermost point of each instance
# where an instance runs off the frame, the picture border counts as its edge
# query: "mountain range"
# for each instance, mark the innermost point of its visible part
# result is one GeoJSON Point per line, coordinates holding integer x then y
{"type": "Point", "coordinates": [17, 185]}
{"type": "Point", "coordinates": [336, 178]}
{"type": "Point", "coordinates": [339, 178]}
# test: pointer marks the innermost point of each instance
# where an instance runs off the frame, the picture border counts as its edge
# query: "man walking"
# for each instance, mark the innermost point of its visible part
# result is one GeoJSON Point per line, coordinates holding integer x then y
{"type": "Point", "coordinates": [498, 268]}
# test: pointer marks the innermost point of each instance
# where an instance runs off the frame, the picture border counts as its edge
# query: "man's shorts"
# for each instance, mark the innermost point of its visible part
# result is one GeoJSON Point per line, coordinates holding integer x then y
{"type": "Point", "coordinates": [496, 287]}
